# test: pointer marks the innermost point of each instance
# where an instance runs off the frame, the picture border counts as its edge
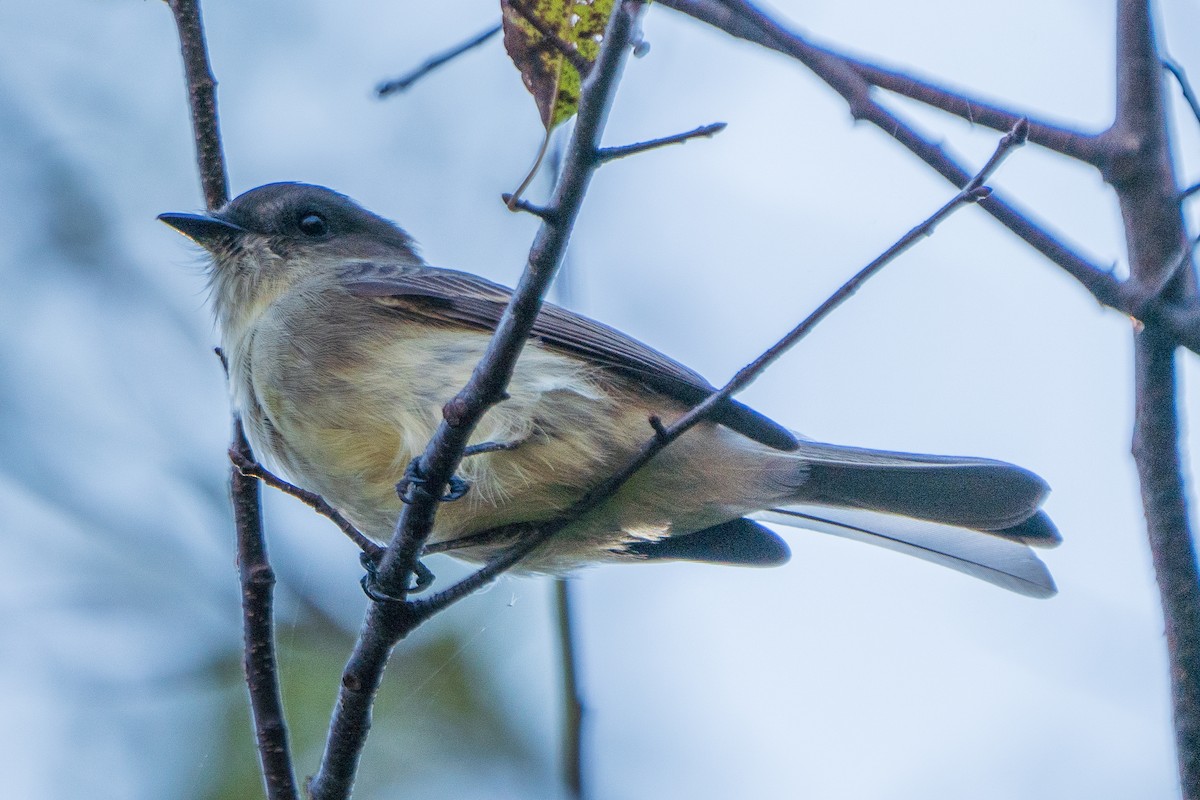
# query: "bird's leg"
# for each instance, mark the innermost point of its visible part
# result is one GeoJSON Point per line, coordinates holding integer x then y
{"type": "Point", "coordinates": [457, 487]}
{"type": "Point", "coordinates": [414, 478]}
{"type": "Point", "coordinates": [422, 579]}
{"type": "Point", "coordinates": [492, 447]}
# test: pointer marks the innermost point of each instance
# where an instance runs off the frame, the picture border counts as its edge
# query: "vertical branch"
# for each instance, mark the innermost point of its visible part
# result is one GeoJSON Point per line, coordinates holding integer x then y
{"type": "Point", "coordinates": [254, 570]}
{"type": "Point", "coordinates": [573, 708]}
{"type": "Point", "coordinates": [387, 623]}
{"type": "Point", "coordinates": [1156, 433]}
{"type": "Point", "coordinates": [258, 618]}
{"type": "Point", "coordinates": [202, 101]}
{"type": "Point", "coordinates": [1142, 173]}
{"type": "Point", "coordinates": [485, 388]}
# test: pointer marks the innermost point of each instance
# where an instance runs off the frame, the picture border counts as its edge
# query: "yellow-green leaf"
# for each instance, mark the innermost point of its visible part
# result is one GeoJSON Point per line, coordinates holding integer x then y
{"type": "Point", "coordinates": [554, 43]}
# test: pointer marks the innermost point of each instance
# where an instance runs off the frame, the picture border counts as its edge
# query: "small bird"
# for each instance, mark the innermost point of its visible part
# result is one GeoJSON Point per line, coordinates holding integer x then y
{"type": "Point", "coordinates": [343, 345]}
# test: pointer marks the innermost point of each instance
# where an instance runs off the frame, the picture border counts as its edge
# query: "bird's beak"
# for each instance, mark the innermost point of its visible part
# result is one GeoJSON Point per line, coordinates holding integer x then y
{"type": "Point", "coordinates": [206, 231]}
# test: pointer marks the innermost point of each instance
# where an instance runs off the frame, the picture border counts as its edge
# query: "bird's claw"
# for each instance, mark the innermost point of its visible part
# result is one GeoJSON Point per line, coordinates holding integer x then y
{"type": "Point", "coordinates": [372, 587]}
{"type": "Point", "coordinates": [413, 478]}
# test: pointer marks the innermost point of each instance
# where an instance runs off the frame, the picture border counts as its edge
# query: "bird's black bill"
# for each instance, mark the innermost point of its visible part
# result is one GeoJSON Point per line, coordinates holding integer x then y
{"type": "Point", "coordinates": [204, 230]}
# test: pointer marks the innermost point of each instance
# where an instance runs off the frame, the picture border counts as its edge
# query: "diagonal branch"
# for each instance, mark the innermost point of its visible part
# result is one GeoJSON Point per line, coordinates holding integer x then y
{"type": "Point", "coordinates": [533, 535]}
{"type": "Point", "coordinates": [742, 20]}
{"type": "Point", "coordinates": [387, 623]}
{"type": "Point", "coordinates": [405, 81]}
{"type": "Point", "coordinates": [1185, 86]}
{"type": "Point", "coordinates": [1085, 147]}
{"type": "Point", "coordinates": [252, 469]}
{"type": "Point", "coordinates": [621, 151]}
{"type": "Point", "coordinates": [254, 570]}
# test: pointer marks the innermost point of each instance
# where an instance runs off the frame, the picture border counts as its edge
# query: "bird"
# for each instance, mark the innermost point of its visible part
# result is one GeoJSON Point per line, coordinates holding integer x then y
{"type": "Point", "coordinates": [343, 345]}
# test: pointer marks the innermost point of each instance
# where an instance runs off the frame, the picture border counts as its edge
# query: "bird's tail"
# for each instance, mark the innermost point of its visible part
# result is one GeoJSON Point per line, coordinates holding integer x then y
{"type": "Point", "coordinates": [974, 515]}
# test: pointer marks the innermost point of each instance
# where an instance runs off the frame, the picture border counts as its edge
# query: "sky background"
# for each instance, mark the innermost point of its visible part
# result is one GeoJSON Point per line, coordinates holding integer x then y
{"type": "Point", "coordinates": [851, 672]}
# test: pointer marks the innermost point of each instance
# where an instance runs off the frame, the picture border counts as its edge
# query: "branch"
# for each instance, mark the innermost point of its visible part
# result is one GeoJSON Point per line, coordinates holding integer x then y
{"type": "Point", "coordinates": [1085, 147]}
{"type": "Point", "coordinates": [607, 154]}
{"type": "Point", "coordinates": [404, 82]}
{"type": "Point", "coordinates": [254, 570]}
{"type": "Point", "coordinates": [973, 192]}
{"type": "Point", "coordinates": [1185, 86]}
{"type": "Point", "coordinates": [573, 708]}
{"type": "Point", "coordinates": [739, 19]}
{"type": "Point", "coordinates": [515, 203]}
{"type": "Point", "coordinates": [530, 536]}
{"type": "Point", "coordinates": [1156, 451]}
{"type": "Point", "coordinates": [386, 623]}
{"type": "Point", "coordinates": [252, 469]}
{"type": "Point", "coordinates": [202, 101]}
{"type": "Point", "coordinates": [1155, 235]}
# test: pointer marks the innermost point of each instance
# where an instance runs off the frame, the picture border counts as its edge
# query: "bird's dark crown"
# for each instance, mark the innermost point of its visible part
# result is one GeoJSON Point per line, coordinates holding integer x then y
{"type": "Point", "coordinates": [314, 214]}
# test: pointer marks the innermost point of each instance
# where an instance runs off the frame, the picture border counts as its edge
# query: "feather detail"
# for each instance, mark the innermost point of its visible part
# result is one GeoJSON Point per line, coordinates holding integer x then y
{"type": "Point", "coordinates": [1001, 562]}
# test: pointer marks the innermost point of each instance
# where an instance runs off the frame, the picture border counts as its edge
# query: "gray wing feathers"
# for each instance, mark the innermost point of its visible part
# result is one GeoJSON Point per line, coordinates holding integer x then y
{"type": "Point", "coordinates": [451, 297]}
{"type": "Point", "coordinates": [976, 493]}
{"type": "Point", "coordinates": [1005, 563]}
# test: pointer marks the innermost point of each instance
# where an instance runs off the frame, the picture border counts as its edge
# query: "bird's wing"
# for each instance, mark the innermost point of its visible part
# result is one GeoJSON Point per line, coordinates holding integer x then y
{"type": "Point", "coordinates": [459, 298]}
{"type": "Point", "coordinates": [1003, 562]}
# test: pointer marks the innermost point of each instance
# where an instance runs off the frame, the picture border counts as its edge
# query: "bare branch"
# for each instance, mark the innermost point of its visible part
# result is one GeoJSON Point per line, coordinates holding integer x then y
{"type": "Point", "coordinates": [252, 469]}
{"type": "Point", "coordinates": [254, 570]}
{"type": "Point", "coordinates": [1144, 181]}
{"type": "Point", "coordinates": [1085, 147]}
{"type": "Point", "coordinates": [386, 623]}
{"type": "Point", "coordinates": [405, 81]}
{"type": "Point", "coordinates": [738, 18]}
{"type": "Point", "coordinates": [1185, 86]}
{"type": "Point", "coordinates": [606, 154]}
{"type": "Point", "coordinates": [1157, 454]}
{"type": "Point", "coordinates": [530, 536]}
{"type": "Point", "coordinates": [573, 708]}
{"type": "Point", "coordinates": [520, 204]}
{"type": "Point", "coordinates": [202, 101]}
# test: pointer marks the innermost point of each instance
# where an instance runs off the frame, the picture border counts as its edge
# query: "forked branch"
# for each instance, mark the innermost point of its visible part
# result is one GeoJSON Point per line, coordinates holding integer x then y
{"type": "Point", "coordinates": [741, 19]}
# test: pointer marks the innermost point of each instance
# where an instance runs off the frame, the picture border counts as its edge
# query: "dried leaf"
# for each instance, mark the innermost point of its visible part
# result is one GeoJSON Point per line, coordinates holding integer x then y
{"type": "Point", "coordinates": [554, 43]}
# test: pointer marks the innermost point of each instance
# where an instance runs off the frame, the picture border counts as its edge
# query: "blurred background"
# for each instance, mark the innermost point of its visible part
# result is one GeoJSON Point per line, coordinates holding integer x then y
{"type": "Point", "coordinates": [850, 672]}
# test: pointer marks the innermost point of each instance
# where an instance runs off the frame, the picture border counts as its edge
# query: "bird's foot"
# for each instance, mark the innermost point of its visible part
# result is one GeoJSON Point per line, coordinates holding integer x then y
{"type": "Point", "coordinates": [375, 589]}
{"type": "Point", "coordinates": [414, 479]}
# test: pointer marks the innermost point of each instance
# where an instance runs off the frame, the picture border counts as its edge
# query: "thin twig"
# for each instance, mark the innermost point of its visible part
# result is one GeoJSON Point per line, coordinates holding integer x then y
{"type": "Point", "coordinates": [387, 623]}
{"type": "Point", "coordinates": [740, 19]}
{"type": "Point", "coordinates": [607, 154]}
{"type": "Point", "coordinates": [1185, 86]}
{"type": "Point", "coordinates": [252, 469]}
{"type": "Point", "coordinates": [254, 570]}
{"type": "Point", "coordinates": [405, 81]}
{"type": "Point", "coordinates": [521, 204]}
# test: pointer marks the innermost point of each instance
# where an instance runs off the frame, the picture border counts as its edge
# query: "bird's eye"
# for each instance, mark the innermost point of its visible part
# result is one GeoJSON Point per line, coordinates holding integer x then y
{"type": "Point", "coordinates": [313, 225]}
